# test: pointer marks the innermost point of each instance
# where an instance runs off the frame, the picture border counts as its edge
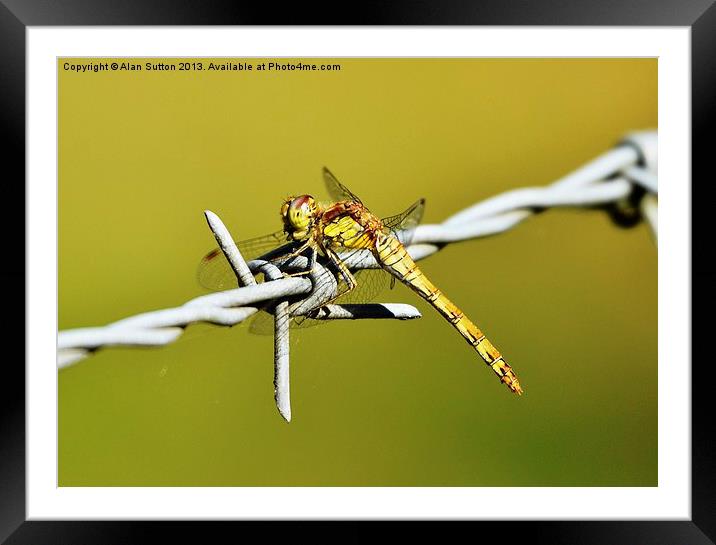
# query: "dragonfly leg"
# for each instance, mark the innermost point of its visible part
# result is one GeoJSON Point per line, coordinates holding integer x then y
{"type": "Point", "coordinates": [300, 250]}
{"type": "Point", "coordinates": [311, 259]}
{"type": "Point", "coordinates": [346, 274]}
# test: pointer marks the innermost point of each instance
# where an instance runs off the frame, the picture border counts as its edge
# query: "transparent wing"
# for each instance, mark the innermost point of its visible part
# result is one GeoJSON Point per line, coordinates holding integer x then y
{"type": "Point", "coordinates": [214, 271]}
{"type": "Point", "coordinates": [336, 189]}
{"type": "Point", "coordinates": [370, 283]}
{"type": "Point", "coordinates": [403, 225]}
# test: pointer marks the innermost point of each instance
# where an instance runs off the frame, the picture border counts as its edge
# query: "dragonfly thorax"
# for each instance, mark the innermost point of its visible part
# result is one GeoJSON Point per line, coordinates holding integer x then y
{"type": "Point", "coordinates": [298, 214]}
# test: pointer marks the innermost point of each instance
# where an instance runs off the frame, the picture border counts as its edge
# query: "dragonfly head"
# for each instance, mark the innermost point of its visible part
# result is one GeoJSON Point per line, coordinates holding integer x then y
{"type": "Point", "coordinates": [298, 214]}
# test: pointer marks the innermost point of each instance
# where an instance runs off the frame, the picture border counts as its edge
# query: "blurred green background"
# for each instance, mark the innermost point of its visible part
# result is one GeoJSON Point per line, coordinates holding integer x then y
{"type": "Point", "coordinates": [569, 299]}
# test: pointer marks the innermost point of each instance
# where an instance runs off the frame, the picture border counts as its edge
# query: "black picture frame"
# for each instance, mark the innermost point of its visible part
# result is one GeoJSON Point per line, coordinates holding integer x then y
{"type": "Point", "coordinates": [17, 15]}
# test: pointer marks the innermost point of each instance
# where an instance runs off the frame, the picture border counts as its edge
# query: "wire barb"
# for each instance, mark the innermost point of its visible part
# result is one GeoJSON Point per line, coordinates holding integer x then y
{"type": "Point", "coordinates": [231, 251]}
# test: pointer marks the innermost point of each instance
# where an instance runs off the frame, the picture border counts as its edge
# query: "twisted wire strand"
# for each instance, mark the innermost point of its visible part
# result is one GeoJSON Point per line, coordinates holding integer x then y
{"type": "Point", "coordinates": [611, 179]}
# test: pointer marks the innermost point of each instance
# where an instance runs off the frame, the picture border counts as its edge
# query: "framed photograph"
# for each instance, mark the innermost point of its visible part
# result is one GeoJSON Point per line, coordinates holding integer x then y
{"type": "Point", "coordinates": [488, 221]}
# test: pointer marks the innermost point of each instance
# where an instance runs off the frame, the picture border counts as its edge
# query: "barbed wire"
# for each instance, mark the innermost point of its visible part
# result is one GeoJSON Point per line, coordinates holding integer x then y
{"type": "Point", "coordinates": [623, 181]}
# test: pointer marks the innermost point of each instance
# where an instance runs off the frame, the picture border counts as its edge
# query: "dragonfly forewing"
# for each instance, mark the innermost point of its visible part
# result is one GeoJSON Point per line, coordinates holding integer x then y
{"type": "Point", "coordinates": [336, 189]}
{"type": "Point", "coordinates": [214, 272]}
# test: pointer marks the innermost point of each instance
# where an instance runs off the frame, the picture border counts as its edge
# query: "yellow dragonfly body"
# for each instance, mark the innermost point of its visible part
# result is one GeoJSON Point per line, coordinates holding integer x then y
{"type": "Point", "coordinates": [394, 258]}
{"type": "Point", "coordinates": [346, 226]}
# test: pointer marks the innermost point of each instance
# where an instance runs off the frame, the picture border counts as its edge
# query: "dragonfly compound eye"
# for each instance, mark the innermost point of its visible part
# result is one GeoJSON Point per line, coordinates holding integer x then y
{"type": "Point", "coordinates": [298, 213]}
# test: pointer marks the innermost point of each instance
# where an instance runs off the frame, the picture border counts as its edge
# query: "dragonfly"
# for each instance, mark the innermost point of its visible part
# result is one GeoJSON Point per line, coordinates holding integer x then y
{"type": "Point", "coordinates": [337, 232]}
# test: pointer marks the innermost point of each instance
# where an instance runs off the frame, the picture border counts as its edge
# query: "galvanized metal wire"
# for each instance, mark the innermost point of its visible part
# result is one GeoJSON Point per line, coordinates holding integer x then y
{"type": "Point", "coordinates": [622, 181]}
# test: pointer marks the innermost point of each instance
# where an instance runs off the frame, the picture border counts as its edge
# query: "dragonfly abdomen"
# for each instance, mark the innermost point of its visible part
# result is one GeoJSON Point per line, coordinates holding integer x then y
{"type": "Point", "coordinates": [395, 259]}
